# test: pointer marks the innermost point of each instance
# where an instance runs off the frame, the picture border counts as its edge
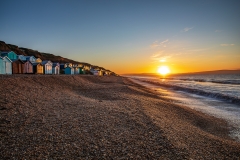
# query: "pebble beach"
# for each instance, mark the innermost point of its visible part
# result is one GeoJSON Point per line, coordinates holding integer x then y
{"type": "Point", "coordinates": [103, 117]}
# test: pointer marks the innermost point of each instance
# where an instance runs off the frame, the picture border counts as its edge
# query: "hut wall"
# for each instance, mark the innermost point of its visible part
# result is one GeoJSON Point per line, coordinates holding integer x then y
{"type": "Point", "coordinates": [38, 69]}
{"type": "Point", "coordinates": [5, 65]}
{"type": "Point", "coordinates": [28, 67]}
{"type": "Point", "coordinates": [69, 70]}
{"type": "Point", "coordinates": [76, 70]}
{"type": "Point", "coordinates": [47, 69]}
{"type": "Point", "coordinates": [17, 67]}
{"type": "Point", "coordinates": [56, 70]}
{"type": "Point", "coordinates": [8, 68]}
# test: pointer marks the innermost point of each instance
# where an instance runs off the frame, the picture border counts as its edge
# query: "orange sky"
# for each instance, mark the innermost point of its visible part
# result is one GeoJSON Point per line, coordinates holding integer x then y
{"type": "Point", "coordinates": [218, 58]}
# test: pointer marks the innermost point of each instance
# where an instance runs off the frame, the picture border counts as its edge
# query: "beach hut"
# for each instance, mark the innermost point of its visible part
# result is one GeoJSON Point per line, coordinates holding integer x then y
{"type": "Point", "coordinates": [107, 72]}
{"type": "Point", "coordinates": [68, 65]}
{"type": "Point", "coordinates": [100, 72]}
{"type": "Point", "coordinates": [10, 54]}
{"type": "Point", "coordinates": [68, 70]}
{"type": "Point", "coordinates": [47, 67]}
{"type": "Point", "coordinates": [81, 70]}
{"type": "Point", "coordinates": [76, 70]}
{"type": "Point", "coordinates": [38, 60]}
{"type": "Point", "coordinates": [87, 67]}
{"type": "Point", "coordinates": [28, 67]}
{"type": "Point", "coordinates": [56, 68]}
{"type": "Point", "coordinates": [31, 58]}
{"type": "Point", "coordinates": [94, 72]}
{"type": "Point", "coordinates": [21, 57]}
{"type": "Point", "coordinates": [37, 68]}
{"type": "Point", "coordinates": [62, 67]}
{"type": "Point", "coordinates": [17, 66]}
{"type": "Point", "coordinates": [5, 65]}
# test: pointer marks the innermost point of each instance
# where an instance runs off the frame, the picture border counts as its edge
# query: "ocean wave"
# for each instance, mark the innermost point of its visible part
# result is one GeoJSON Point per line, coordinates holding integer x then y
{"type": "Point", "coordinates": [234, 82]}
{"type": "Point", "coordinates": [219, 96]}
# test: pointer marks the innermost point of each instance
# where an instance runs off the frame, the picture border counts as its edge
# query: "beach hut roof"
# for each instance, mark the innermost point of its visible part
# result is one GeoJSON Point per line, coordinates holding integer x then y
{"type": "Point", "coordinates": [30, 57]}
{"type": "Point", "coordinates": [24, 61]}
{"type": "Point", "coordinates": [46, 61]}
{"type": "Point", "coordinates": [5, 57]}
{"type": "Point", "coordinates": [5, 53]}
{"type": "Point", "coordinates": [35, 64]}
{"type": "Point", "coordinates": [56, 64]}
{"type": "Point", "coordinates": [18, 60]}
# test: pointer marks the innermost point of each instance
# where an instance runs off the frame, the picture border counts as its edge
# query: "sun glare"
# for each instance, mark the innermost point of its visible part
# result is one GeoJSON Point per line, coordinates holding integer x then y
{"type": "Point", "coordinates": [163, 70]}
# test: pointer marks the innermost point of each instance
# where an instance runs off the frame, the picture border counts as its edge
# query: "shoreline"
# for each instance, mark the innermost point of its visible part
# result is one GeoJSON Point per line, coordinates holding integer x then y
{"type": "Point", "coordinates": [208, 105]}
{"type": "Point", "coordinates": [83, 117]}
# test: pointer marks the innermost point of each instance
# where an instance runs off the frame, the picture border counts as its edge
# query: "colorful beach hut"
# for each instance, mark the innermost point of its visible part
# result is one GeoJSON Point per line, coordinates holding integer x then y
{"type": "Point", "coordinates": [28, 67]}
{"type": "Point", "coordinates": [31, 58]}
{"type": "Point", "coordinates": [69, 70]}
{"type": "Point", "coordinates": [21, 57]}
{"type": "Point", "coordinates": [10, 54]}
{"type": "Point", "coordinates": [5, 65]}
{"type": "Point", "coordinates": [37, 68]}
{"type": "Point", "coordinates": [76, 70]}
{"type": "Point", "coordinates": [56, 68]}
{"type": "Point", "coordinates": [17, 66]}
{"type": "Point", "coordinates": [47, 67]}
{"type": "Point", "coordinates": [38, 60]}
{"type": "Point", "coordinates": [94, 72]}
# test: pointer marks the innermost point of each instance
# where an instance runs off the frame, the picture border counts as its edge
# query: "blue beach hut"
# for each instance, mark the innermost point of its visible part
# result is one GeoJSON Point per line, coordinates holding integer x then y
{"type": "Point", "coordinates": [10, 54]}
{"type": "Point", "coordinates": [69, 70]}
{"type": "Point", "coordinates": [5, 65]}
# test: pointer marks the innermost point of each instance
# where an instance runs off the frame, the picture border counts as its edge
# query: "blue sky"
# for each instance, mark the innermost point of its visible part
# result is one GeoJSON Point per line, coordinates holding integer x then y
{"type": "Point", "coordinates": [128, 36]}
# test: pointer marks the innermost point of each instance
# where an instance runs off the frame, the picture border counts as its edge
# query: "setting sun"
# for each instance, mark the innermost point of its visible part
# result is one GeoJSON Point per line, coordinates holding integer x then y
{"type": "Point", "coordinates": [163, 70]}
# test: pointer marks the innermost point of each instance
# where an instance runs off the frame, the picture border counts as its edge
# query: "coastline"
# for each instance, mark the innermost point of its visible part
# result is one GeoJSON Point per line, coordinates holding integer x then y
{"type": "Point", "coordinates": [206, 104]}
{"type": "Point", "coordinates": [69, 117]}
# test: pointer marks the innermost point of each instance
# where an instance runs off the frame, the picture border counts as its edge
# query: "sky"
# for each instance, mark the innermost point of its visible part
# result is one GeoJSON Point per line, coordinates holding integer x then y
{"type": "Point", "coordinates": [129, 36]}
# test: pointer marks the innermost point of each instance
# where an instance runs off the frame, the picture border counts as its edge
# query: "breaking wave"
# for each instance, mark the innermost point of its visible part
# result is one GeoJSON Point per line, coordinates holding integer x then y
{"type": "Point", "coordinates": [220, 96]}
{"type": "Point", "coordinates": [236, 82]}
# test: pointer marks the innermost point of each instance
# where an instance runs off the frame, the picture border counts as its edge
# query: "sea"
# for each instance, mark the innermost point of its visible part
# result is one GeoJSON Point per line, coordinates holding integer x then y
{"type": "Point", "coordinates": [214, 94]}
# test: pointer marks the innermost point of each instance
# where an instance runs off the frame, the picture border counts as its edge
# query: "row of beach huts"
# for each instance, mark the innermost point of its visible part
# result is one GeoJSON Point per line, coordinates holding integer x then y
{"type": "Point", "coordinates": [11, 63]}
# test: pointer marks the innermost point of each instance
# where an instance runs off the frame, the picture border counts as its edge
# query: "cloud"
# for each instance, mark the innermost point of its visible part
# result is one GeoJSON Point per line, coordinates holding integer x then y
{"type": "Point", "coordinates": [155, 55]}
{"type": "Point", "coordinates": [164, 58]}
{"type": "Point", "coordinates": [225, 45]}
{"type": "Point", "coordinates": [164, 42]}
{"type": "Point", "coordinates": [156, 44]}
{"type": "Point", "coordinates": [187, 29]}
{"type": "Point", "coordinates": [198, 50]}
{"type": "Point", "coordinates": [161, 56]}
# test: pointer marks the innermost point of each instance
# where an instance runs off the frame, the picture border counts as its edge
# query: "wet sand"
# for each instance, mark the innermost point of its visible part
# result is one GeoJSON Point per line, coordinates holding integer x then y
{"type": "Point", "coordinates": [91, 117]}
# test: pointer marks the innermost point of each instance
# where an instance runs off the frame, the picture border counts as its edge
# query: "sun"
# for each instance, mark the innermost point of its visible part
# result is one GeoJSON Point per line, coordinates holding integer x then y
{"type": "Point", "coordinates": [163, 70]}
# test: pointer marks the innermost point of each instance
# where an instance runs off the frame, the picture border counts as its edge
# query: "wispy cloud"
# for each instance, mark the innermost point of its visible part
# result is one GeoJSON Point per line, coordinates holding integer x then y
{"type": "Point", "coordinates": [187, 29]}
{"type": "Point", "coordinates": [161, 56]}
{"type": "Point", "coordinates": [198, 50]}
{"type": "Point", "coordinates": [225, 45]}
{"type": "Point", "coordinates": [156, 44]}
{"type": "Point", "coordinates": [164, 58]}
{"type": "Point", "coordinates": [155, 56]}
{"type": "Point", "coordinates": [164, 42]}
